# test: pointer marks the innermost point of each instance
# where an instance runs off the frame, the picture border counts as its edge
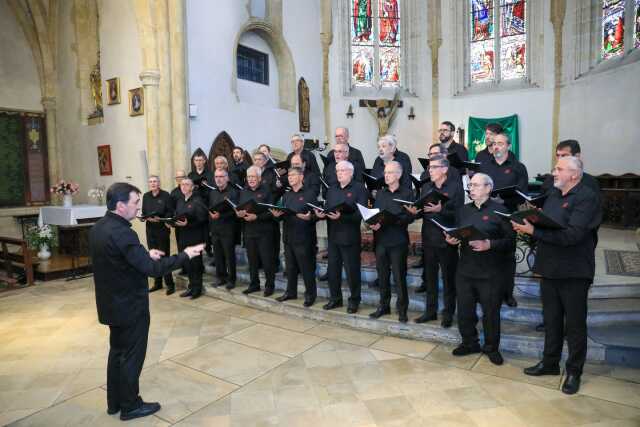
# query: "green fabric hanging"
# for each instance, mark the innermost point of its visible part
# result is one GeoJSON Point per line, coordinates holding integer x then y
{"type": "Point", "coordinates": [475, 133]}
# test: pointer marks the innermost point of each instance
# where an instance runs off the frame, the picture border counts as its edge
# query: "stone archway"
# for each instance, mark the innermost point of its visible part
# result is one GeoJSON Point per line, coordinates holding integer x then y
{"type": "Point", "coordinates": [222, 146]}
{"type": "Point", "coordinates": [287, 86]}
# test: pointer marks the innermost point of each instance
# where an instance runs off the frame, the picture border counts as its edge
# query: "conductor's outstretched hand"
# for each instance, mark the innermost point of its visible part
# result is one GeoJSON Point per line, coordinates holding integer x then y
{"type": "Point", "coordinates": [194, 251]}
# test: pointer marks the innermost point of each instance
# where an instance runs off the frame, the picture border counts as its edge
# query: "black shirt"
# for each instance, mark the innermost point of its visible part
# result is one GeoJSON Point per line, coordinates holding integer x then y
{"type": "Point", "coordinates": [400, 157]}
{"type": "Point", "coordinates": [485, 264]}
{"type": "Point", "coordinates": [355, 157]}
{"type": "Point", "coordinates": [483, 156]}
{"type": "Point", "coordinates": [269, 179]}
{"type": "Point", "coordinates": [226, 224]}
{"type": "Point", "coordinates": [298, 231]}
{"type": "Point", "coordinates": [432, 235]}
{"type": "Point", "coordinates": [570, 252]}
{"type": "Point", "coordinates": [510, 172]}
{"type": "Point", "coordinates": [207, 176]}
{"type": "Point", "coordinates": [121, 266]}
{"type": "Point", "coordinates": [162, 205]}
{"type": "Point", "coordinates": [238, 173]}
{"type": "Point", "coordinates": [390, 235]}
{"type": "Point", "coordinates": [454, 147]}
{"type": "Point", "coordinates": [589, 180]}
{"type": "Point", "coordinates": [197, 215]}
{"type": "Point", "coordinates": [312, 183]}
{"type": "Point", "coordinates": [263, 225]}
{"type": "Point", "coordinates": [331, 178]}
{"type": "Point", "coordinates": [309, 159]}
{"type": "Point", "coordinates": [176, 195]}
{"type": "Point", "coordinates": [346, 229]}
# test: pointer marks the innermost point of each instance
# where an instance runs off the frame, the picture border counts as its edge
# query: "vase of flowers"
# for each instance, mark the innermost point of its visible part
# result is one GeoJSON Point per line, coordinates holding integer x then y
{"type": "Point", "coordinates": [42, 238]}
{"type": "Point", "coordinates": [66, 189]}
{"type": "Point", "coordinates": [97, 193]}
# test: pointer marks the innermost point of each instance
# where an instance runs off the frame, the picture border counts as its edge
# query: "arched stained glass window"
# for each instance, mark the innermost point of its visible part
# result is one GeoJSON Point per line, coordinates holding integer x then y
{"type": "Point", "coordinates": [375, 42]}
{"type": "Point", "coordinates": [509, 39]}
{"type": "Point", "coordinates": [636, 26]}
{"type": "Point", "coordinates": [612, 28]}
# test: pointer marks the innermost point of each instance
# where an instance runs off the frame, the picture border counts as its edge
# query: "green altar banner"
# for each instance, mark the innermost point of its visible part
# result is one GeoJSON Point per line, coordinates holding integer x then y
{"type": "Point", "coordinates": [475, 134]}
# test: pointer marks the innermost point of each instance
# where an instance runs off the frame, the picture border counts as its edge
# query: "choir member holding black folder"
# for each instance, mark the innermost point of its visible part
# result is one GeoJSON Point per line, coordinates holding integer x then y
{"type": "Point", "coordinates": [258, 231]}
{"type": "Point", "coordinates": [299, 246]}
{"type": "Point", "coordinates": [481, 259]}
{"type": "Point", "coordinates": [565, 259]}
{"type": "Point", "coordinates": [191, 218]}
{"type": "Point", "coordinates": [156, 204]}
{"type": "Point", "coordinates": [443, 195]}
{"type": "Point", "coordinates": [222, 226]}
{"type": "Point", "coordinates": [344, 235]}
{"type": "Point", "coordinates": [392, 241]}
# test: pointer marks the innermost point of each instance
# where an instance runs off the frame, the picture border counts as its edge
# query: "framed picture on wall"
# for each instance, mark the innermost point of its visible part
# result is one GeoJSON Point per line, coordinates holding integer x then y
{"type": "Point", "coordinates": [136, 102]}
{"type": "Point", "coordinates": [113, 91]}
{"type": "Point", "coordinates": [104, 160]}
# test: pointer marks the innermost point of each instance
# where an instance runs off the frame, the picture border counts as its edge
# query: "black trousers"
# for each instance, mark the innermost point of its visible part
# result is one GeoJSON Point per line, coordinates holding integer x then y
{"type": "Point", "coordinates": [224, 250]}
{"type": "Point", "coordinates": [127, 350]}
{"type": "Point", "coordinates": [161, 240]}
{"type": "Point", "coordinates": [564, 302]}
{"type": "Point", "coordinates": [488, 293]}
{"type": "Point", "coordinates": [349, 256]}
{"type": "Point", "coordinates": [195, 268]}
{"type": "Point", "coordinates": [393, 260]}
{"type": "Point", "coordinates": [446, 260]}
{"type": "Point", "coordinates": [260, 252]}
{"type": "Point", "coordinates": [301, 259]}
{"type": "Point", "coordinates": [277, 236]}
{"type": "Point", "coordinates": [509, 273]}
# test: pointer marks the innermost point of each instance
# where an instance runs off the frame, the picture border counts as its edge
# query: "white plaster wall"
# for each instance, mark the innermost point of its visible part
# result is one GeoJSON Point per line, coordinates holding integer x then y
{"type": "Point", "coordinates": [19, 81]}
{"type": "Point", "coordinates": [257, 93]}
{"type": "Point", "coordinates": [249, 119]}
{"type": "Point", "coordinates": [120, 57]}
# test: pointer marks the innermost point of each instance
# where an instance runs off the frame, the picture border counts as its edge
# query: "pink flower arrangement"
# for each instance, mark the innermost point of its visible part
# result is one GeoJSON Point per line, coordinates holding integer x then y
{"type": "Point", "coordinates": [65, 188]}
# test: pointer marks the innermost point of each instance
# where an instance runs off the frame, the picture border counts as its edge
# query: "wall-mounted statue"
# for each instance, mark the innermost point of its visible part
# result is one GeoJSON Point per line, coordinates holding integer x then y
{"type": "Point", "coordinates": [303, 106]}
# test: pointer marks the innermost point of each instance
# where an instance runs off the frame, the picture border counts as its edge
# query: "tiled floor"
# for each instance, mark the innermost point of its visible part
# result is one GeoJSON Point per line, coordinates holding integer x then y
{"type": "Point", "coordinates": [212, 363]}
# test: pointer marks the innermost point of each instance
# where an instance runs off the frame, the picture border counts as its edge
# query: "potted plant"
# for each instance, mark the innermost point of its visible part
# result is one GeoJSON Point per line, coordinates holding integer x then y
{"type": "Point", "coordinates": [67, 190]}
{"type": "Point", "coordinates": [42, 238]}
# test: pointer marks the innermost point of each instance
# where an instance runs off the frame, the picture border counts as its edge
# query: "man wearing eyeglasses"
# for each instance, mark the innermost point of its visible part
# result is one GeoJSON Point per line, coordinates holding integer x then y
{"type": "Point", "coordinates": [505, 171]}
{"type": "Point", "coordinates": [353, 154]}
{"type": "Point", "coordinates": [479, 265]}
{"type": "Point", "coordinates": [446, 132]}
{"type": "Point", "coordinates": [436, 253]}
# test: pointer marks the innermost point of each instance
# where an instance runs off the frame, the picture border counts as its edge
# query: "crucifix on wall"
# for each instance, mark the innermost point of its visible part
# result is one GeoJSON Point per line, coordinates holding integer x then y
{"type": "Point", "coordinates": [383, 111]}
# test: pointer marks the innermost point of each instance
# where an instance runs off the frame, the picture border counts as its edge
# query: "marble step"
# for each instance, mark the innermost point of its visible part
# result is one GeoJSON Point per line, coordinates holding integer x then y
{"type": "Point", "coordinates": [516, 337]}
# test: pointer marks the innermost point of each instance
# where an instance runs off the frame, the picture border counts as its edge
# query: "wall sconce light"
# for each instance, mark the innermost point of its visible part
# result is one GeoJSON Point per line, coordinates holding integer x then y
{"type": "Point", "coordinates": [350, 112]}
{"type": "Point", "coordinates": [411, 116]}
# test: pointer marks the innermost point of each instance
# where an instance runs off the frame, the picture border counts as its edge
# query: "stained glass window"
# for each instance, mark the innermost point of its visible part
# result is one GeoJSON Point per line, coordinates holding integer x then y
{"type": "Point", "coordinates": [510, 42]}
{"type": "Point", "coordinates": [636, 29]}
{"type": "Point", "coordinates": [612, 28]}
{"type": "Point", "coordinates": [375, 42]}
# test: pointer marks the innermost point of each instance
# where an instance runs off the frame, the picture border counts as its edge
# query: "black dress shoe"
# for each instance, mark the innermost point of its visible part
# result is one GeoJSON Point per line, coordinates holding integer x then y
{"type": "Point", "coordinates": [171, 290]}
{"type": "Point", "coordinates": [285, 297]}
{"type": "Point", "coordinates": [541, 369]}
{"type": "Point", "coordinates": [421, 289]}
{"type": "Point", "coordinates": [323, 277]}
{"type": "Point", "coordinates": [268, 292]}
{"type": "Point", "coordinates": [540, 327]}
{"type": "Point", "coordinates": [230, 285]}
{"type": "Point", "coordinates": [155, 287]}
{"type": "Point", "coordinates": [571, 384]}
{"type": "Point", "coordinates": [352, 308]}
{"type": "Point", "coordinates": [196, 294]}
{"type": "Point", "coordinates": [113, 410]}
{"type": "Point", "coordinates": [251, 290]}
{"type": "Point", "coordinates": [495, 357]}
{"type": "Point", "coordinates": [186, 293]}
{"type": "Point", "coordinates": [426, 318]}
{"type": "Point", "coordinates": [380, 311]}
{"type": "Point", "coordinates": [332, 304]}
{"type": "Point", "coordinates": [144, 410]}
{"type": "Point", "coordinates": [309, 302]}
{"type": "Point", "coordinates": [463, 350]}
{"type": "Point", "coordinates": [511, 301]}
{"type": "Point", "coordinates": [446, 322]}
{"type": "Point", "coordinates": [402, 317]}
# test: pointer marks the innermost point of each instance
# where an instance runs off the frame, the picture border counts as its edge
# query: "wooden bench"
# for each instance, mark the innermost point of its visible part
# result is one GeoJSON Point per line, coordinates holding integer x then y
{"type": "Point", "coordinates": [11, 260]}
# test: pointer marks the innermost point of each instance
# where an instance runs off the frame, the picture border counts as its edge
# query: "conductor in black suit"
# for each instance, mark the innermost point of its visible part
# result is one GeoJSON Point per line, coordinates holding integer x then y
{"type": "Point", "coordinates": [121, 266]}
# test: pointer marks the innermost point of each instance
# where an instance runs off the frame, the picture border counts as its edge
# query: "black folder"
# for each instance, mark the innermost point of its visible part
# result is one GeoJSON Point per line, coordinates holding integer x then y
{"type": "Point", "coordinates": [372, 182]}
{"type": "Point", "coordinates": [467, 232]}
{"type": "Point", "coordinates": [456, 162]}
{"type": "Point", "coordinates": [534, 216]}
{"type": "Point", "coordinates": [377, 216]}
{"type": "Point", "coordinates": [432, 197]}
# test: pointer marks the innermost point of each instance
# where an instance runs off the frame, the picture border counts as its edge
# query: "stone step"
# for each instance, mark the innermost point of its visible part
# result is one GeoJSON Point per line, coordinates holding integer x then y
{"type": "Point", "coordinates": [529, 310]}
{"type": "Point", "coordinates": [515, 337]}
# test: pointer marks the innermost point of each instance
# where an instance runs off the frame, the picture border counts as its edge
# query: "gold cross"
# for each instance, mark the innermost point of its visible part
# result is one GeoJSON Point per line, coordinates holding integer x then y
{"type": "Point", "coordinates": [34, 136]}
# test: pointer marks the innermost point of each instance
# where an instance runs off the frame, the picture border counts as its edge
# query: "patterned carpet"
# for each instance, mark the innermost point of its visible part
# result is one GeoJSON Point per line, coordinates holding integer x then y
{"type": "Point", "coordinates": [622, 263]}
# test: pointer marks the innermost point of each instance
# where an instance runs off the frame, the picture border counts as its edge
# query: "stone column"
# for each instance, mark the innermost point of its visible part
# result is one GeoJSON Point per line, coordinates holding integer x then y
{"type": "Point", "coordinates": [151, 81]}
{"type": "Point", "coordinates": [558, 11]}
{"type": "Point", "coordinates": [326, 38]}
{"type": "Point", "coordinates": [55, 170]}
{"type": "Point", "coordinates": [435, 41]}
{"type": "Point", "coordinates": [165, 101]}
{"type": "Point", "coordinates": [179, 115]}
